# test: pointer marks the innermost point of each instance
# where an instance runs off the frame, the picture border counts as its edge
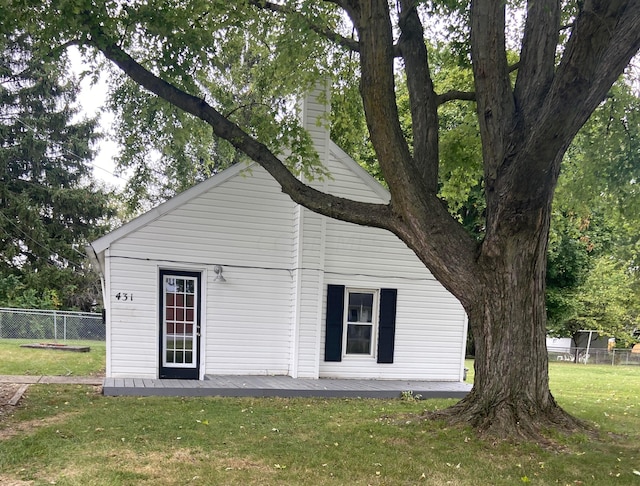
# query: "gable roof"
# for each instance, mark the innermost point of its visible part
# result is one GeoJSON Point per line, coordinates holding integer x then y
{"type": "Point", "coordinates": [104, 242]}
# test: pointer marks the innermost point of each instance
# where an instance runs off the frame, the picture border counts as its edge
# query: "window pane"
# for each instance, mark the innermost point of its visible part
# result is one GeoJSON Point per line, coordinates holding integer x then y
{"type": "Point", "coordinates": [360, 307]}
{"type": "Point", "coordinates": [358, 339]}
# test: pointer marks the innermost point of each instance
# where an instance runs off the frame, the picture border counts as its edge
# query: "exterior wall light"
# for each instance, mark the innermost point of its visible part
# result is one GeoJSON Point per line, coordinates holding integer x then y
{"type": "Point", "coordinates": [217, 269]}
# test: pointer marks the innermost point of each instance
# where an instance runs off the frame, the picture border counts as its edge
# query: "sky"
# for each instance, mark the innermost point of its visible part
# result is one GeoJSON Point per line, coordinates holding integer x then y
{"type": "Point", "coordinates": [92, 99]}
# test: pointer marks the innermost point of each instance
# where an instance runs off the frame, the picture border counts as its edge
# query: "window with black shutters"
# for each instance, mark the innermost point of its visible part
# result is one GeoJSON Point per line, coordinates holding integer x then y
{"type": "Point", "coordinates": [360, 322]}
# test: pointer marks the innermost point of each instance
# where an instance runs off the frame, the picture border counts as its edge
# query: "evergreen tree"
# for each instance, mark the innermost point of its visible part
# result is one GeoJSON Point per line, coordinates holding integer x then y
{"type": "Point", "coordinates": [49, 204]}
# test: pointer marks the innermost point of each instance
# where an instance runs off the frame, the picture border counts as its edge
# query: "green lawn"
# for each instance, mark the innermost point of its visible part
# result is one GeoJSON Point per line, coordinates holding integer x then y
{"type": "Point", "coordinates": [15, 360]}
{"type": "Point", "coordinates": [71, 435]}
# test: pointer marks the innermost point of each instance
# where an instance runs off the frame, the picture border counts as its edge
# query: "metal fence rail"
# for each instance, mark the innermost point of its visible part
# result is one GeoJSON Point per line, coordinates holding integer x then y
{"type": "Point", "coordinates": [594, 356]}
{"type": "Point", "coordinates": [50, 324]}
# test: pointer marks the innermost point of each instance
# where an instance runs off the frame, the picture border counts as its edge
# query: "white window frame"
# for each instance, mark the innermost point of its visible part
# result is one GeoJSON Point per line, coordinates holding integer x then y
{"type": "Point", "coordinates": [374, 322]}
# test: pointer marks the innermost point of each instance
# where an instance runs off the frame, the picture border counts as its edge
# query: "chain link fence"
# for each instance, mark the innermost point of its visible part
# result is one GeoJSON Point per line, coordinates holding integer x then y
{"type": "Point", "coordinates": [49, 324]}
{"type": "Point", "coordinates": [594, 356]}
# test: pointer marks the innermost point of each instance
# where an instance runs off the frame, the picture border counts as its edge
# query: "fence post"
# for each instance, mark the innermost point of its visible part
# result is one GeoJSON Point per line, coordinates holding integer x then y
{"type": "Point", "coordinates": [55, 326]}
{"type": "Point", "coordinates": [64, 327]}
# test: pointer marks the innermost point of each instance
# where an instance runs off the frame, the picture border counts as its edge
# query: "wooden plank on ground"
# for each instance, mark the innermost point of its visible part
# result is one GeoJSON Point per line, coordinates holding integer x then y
{"type": "Point", "coordinates": [18, 395]}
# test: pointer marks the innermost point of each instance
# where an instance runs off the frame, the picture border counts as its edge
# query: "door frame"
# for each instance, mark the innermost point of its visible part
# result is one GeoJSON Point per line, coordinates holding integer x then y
{"type": "Point", "coordinates": [179, 372]}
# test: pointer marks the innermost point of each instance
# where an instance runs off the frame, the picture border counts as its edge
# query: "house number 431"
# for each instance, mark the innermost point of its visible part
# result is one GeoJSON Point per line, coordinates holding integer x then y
{"type": "Point", "coordinates": [124, 296]}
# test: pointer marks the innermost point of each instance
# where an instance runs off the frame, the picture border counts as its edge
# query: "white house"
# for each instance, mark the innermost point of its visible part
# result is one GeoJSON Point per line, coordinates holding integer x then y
{"type": "Point", "coordinates": [232, 278]}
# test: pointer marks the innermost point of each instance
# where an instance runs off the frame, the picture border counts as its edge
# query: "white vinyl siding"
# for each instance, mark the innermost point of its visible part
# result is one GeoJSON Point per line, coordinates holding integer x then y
{"type": "Point", "coordinates": [430, 330]}
{"type": "Point", "coordinates": [133, 325]}
{"type": "Point", "coordinates": [246, 320]}
{"type": "Point", "coordinates": [248, 323]}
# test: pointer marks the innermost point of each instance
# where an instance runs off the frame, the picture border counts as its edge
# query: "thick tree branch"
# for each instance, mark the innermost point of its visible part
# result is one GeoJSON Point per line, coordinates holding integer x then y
{"type": "Point", "coordinates": [350, 44]}
{"type": "Point", "coordinates": [606, 35]}
{"type": "Point", "coordinates": [455, 95]}
{"type": "Point", "coordinates": [439, 241]}
{"type": "Point", "coordinates": [537, 56]}
{"type": "Point", "coordinates": [378, 215]}
{"type": "Point", "coordinates": [377, 87]}
{"type": "Point", "coordinates": [422, 98]}
{"type": "Point", "coordinates": [493, 91]}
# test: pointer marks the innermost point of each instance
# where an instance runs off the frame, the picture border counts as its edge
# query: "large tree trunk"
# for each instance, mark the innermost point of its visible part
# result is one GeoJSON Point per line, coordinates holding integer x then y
{"type": "Point", "coordinates": [507, 316]}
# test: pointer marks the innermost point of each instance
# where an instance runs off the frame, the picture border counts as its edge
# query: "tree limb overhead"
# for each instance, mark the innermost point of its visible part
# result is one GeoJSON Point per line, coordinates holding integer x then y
{"type": "Point", "coordinates": [378, 215]}
{"type": "Point", "coordinates": [349, 44]}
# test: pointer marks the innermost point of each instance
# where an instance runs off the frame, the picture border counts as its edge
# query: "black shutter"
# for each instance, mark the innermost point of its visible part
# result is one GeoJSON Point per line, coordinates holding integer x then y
{"type": "Point", "coordinates": [335, 316]}
{"type": "Point", "coordinates": [387, 325]}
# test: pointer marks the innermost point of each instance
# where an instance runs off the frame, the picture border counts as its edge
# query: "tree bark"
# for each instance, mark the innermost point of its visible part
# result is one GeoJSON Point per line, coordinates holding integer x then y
{"type": "Point", "coordinates": [507, 314]}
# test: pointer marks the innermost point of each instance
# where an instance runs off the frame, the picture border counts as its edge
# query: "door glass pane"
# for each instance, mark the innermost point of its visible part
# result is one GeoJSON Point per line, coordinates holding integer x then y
{"type": "Point", "coordinates": [179, 321]}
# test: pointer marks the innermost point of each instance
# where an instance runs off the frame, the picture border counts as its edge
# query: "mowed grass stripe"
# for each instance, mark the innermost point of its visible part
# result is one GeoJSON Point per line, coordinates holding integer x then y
{"type": "Point", "coordinates": [71, 435]}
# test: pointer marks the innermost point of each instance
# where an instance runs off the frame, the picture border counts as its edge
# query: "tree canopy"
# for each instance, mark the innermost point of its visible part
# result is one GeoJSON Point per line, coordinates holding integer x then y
{"type": "Point", "coordinates": [593, 267]}
{"type": "Point", "coordinates": [538, 73]}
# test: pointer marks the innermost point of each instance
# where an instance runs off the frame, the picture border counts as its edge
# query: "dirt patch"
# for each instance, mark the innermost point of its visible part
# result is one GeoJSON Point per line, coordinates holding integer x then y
{"type": "Point", "coordinates": [7, 481]}
{"type": "Point", "coordinates": [7, 392]}
{"type": "Point", "coordinates": [29, 426]}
